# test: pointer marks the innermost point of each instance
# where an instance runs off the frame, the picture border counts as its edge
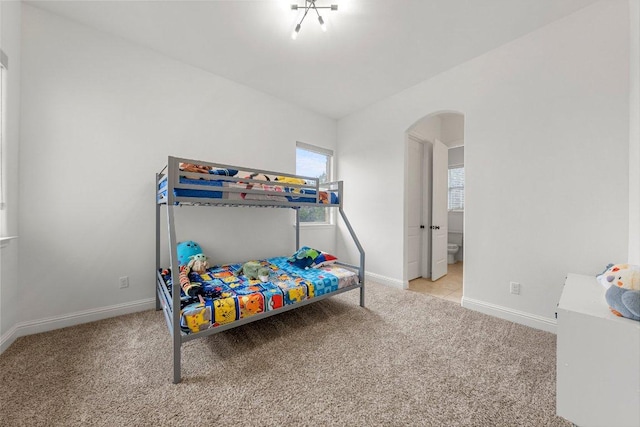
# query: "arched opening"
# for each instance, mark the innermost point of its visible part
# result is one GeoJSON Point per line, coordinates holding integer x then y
{"type": "Point", "coordinates": [434, 205]}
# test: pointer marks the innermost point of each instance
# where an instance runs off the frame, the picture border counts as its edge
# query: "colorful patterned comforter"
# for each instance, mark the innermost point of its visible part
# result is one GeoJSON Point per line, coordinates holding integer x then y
{"type": "Point", "coordinates": [226, 297]}
{"type": "Point", "coordinates": [218, 189]}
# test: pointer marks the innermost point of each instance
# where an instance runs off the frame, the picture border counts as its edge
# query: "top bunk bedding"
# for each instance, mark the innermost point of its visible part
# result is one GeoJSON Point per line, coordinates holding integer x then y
{"type": "Point", "coordinates": [184, 182]}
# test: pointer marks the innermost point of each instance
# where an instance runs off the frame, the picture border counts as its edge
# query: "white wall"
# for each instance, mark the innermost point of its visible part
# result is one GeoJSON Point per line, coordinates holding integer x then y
{"type": "Point", "coordinates": [456, 156]}
{"type": "Point", "coordinates": [428, 129]}
{"type": "Point", "coordinates": [453, 130]}
{"type": "Point", "coordinates": [9, 288]}
{"type": "Point", "coordinates": [634, 134]}
{"type": "Point", "coordinates": [541, 114]}
{"type": "Point", "coordinates": [99, 117]}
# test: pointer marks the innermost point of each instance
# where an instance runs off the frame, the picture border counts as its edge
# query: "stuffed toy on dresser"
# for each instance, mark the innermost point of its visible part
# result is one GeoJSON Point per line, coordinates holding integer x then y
{"type": "Point", "coordinates": [622, 282]}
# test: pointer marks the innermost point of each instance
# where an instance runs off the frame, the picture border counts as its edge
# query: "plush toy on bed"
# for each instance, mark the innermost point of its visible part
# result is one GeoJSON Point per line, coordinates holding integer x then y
{"type": "Point", "coordinates": [191, 258]}
{"type": "Point", "coordinates": [198, 263]}
{"type": "Point", "coordinates": [190, 167]}
{"type": "Point", "coordinates": [254, 270]}
{"type": "Point", "coordinates": [622, 282]}
{"type": "Point", "coordinates": [186, 250]}
{"type": "Point", "coordinates": [192, 289]}
{"type": "Point", "coordinates": [304, 257]}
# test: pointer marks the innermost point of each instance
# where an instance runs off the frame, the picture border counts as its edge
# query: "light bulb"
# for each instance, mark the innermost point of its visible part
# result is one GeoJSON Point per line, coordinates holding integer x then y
{"type": "Point", "coordinates": [322, 24]}
{"type": "Point", "coordinates": [294, 34]}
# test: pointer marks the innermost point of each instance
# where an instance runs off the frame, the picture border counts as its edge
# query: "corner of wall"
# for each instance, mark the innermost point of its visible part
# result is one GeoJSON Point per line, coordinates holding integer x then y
{"type": "Point", "coordinates": [634, 132]}
{"type": "Point", "coordinates": [10, 42]}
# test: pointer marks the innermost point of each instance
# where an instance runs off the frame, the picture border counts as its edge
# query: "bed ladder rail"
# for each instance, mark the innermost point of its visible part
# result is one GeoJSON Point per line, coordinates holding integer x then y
{"type": "Point", "coordinates": [358, 245]}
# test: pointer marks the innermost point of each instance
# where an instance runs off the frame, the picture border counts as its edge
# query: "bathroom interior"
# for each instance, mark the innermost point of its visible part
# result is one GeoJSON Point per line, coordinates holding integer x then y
{"type": "Point", "coordinates": [448, 128]}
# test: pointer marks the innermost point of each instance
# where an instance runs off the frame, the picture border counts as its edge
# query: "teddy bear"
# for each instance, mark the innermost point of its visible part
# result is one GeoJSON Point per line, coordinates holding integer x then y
{"type": "Point", "coordinates": [622, 282]}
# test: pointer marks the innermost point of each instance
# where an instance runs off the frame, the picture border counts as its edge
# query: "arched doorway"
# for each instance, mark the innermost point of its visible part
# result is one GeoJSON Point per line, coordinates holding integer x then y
{"type": "Point", "coordinates": [434, 205]}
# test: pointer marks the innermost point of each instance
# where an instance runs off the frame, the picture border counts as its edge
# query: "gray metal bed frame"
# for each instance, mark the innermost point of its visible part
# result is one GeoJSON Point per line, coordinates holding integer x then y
{"type": "Point", "coordinates": [171, 174]}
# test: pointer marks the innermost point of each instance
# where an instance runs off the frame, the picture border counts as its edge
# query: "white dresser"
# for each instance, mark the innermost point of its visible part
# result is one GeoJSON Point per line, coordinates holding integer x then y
{"type": "Point", "coordinates": [598, 359]}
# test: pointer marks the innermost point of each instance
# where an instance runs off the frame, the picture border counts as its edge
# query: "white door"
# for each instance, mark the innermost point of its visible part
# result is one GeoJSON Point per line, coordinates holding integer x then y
{"type": "Point", "coordinates": [427, 163]}
{"type": "Point", "coordinates": [439, 202]}
{"type": "Point", "coordinates": [414, 220]}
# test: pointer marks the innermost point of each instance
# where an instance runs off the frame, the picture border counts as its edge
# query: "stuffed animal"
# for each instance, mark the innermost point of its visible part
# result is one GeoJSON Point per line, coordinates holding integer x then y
{"type": "Point", "coordinates": [304, 257]}
{"type": "Point", "coordinates": [186, 250]}
{"type": "Point", "coordinates": [190, 167]}
{"type": "Point", "coordinates": [255, 270]}
{"type": "Point", "coordinates": [190, 288]}
{"type": "Point", "coordinates": [622, 282]}
{"type": "Point", "coordinates": [198, 263]}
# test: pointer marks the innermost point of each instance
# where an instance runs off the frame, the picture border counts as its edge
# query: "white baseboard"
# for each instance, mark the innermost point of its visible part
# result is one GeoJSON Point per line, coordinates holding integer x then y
{"type": "Point", "coordinates": [72, 319]}
{"type": "Point", "coordinates": [388, 281]}
{"type": "Point", "coordinates": [8, 338]}
{"type": "Point", "coordinates": [521, 317]}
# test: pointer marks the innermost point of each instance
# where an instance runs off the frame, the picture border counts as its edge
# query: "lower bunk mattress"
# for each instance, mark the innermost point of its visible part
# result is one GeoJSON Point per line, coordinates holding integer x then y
{"type": "Point", "coordinates": [225, 296]}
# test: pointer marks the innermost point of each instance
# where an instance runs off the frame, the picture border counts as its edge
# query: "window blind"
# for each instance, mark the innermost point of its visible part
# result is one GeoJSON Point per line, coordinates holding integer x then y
{"type": "Point", "coordinates": [456, 188]}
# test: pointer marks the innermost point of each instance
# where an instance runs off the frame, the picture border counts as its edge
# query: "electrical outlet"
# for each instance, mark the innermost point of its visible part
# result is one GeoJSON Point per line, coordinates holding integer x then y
{"type": "Point", "coordinates": [124, 282]}
{"type": "Point", "coordinates": [514, 288]}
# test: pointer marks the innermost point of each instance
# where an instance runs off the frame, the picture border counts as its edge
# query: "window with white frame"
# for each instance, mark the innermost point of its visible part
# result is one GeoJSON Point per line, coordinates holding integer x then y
{"type": "Point", "coordinates": [456, 188]}
{"type": "Point", "coordinates": [314, 162]}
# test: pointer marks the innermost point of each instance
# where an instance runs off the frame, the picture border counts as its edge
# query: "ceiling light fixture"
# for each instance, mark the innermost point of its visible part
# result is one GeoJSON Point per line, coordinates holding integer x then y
{"type": "Point", "coordinates": [309, 5]}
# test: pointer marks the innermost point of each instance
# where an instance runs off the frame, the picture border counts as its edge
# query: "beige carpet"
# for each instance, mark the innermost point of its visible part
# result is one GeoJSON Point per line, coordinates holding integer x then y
{"type": "Point", "coordinates": [407, 359]}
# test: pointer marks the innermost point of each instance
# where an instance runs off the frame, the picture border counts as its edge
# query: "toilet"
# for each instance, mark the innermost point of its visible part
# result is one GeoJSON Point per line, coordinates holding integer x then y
{"type": "Point", "coordinates": [452, 249]}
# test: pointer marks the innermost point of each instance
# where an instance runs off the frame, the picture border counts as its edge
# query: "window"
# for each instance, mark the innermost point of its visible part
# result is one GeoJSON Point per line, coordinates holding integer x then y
{"type": "Point", "coordinates": [314, 162]}
{"type": "Point", "coordinates": [456, 188]}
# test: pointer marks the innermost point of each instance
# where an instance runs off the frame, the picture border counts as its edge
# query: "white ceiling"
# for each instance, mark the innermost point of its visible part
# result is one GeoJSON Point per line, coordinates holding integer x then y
{"type": "Point", "coordinates": [372, 49]}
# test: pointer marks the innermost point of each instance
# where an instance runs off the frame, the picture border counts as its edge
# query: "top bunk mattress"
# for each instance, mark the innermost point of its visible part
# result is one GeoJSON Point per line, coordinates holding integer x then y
{"type": "Point", "coordinates": [227, 184]}
{"type": "Point", "coordinates": [217, 189]}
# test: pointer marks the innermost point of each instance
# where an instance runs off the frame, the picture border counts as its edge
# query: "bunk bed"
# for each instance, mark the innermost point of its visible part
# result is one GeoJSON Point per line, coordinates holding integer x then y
{"type": "Point", "coordinates": [231, 299]}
